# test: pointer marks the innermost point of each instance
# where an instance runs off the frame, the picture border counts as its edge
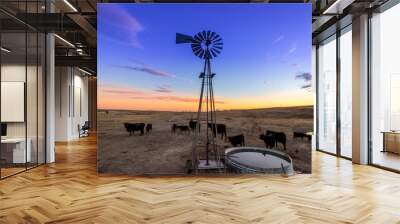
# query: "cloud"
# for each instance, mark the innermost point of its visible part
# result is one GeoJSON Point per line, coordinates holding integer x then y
{"type": "Point", "coordinates": [306, 77]}
{"type": "Point", "coordinates": [146, 69]}
{"type": "Point", "coordinates": [119, 90]}
{"type": "Point", "coordinates": [173, 98]}
{"type": "Point", "coordinates": [129, 93]}
{"type": "Point", "coordinates": [124, 92]}
{"type": "Point", "coordinates": [292, 50]}
{"type": "Point", "coordinates": [120, 26]}
{"type": "Point", "coordinates": [267, 83]}
{"type": "Point", "coordinates": [281, 37]}
{"type": "Point", "coordinates": [163, 89]}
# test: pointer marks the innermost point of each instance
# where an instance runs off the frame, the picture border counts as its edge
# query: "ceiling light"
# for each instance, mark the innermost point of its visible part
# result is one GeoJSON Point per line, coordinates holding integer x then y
{"type": "Point", "coordinates": [337, 7]}
{"type": "Point", "coordinates": [5, 50]}
{"type": "Point", "coordinates": [84, 71]}
{"type": "Point", "coordinates": [65, 41]}
{"type": "Point", "coordinates": [70, 5]}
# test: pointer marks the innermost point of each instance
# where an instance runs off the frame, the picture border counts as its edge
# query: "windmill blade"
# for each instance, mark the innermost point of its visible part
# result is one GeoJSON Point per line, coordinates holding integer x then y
{"type": "Point", "coordinates": [196, 44]}
{"type": "Point", "coordinates": [212, 35]}
{"type": "Point", "coordinates": [202, 54]}
{"type": "Point", "coordinates": [195, 48]}
{"type": "Point", "coordinates": [216, 37]}
{"type": "Point", "coordinates": [197, 38]}
{"type": "Point", "coordinates": [218, 47]}
{"type": "Point", "coordinates": [198, 55]}
{"type": "Point", "coordinates": [213, 53]}
{"type": "Point", "coordinates": [216, 52]}
{"type": "Point", "coordinates": [197, 51]}
{"type": "Point", "coordinates": [218, 40]}
{"type": "Point", "coordinates": [218, 44]}
{"type": "Point", "coordinates": [204, 35]}
{"type": "Point", "coordinates": [208, 34]}
{"type": "Point", "coordinates": [182, 38]}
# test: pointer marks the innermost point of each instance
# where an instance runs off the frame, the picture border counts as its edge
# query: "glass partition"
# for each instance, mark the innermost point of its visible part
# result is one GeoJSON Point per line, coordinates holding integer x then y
{"type": "Point", "coordinates": [14, 153]}
{"type": "Point", "coordinates": [22, 91]}
{"type": "Point", "coordinates": [346, 93]}
{"type": "Point", "coordinates": [327, 95]}
{"type": "Point", "coordinates": [385, 89]}
{"type": "Point", "coordinates": [41, 97]}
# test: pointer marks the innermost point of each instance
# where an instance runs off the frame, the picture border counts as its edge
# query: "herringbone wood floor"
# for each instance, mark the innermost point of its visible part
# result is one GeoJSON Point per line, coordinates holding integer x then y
{"type": "Point", "coordinates": [70, 191]}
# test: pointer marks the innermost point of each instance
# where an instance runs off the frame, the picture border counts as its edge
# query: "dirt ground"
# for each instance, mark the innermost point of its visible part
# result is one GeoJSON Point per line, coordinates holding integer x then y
{"type": "Point", "coordinates": [162, 152]}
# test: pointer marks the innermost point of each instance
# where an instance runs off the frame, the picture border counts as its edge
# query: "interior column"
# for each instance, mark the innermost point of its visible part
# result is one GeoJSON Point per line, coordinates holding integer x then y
{"type": "Point", "coordinates": [360, 90]}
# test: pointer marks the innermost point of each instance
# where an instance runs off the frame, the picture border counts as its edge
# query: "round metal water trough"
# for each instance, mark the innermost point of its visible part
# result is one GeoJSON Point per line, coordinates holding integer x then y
{"type": "Point", "coordinates": [258, 160]}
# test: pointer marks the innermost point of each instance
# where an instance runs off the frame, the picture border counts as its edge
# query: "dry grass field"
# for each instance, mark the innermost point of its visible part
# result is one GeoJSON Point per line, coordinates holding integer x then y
{"type": "Point", "coordinates": [162, 152]}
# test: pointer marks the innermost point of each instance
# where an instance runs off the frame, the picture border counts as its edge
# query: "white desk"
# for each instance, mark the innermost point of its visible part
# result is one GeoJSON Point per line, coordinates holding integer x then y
{"type": "Point", "coordinates": [19, 153]}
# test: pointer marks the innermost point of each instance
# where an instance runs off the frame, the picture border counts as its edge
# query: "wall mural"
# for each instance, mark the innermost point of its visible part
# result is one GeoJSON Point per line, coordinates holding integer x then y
{"type": "Point", "coordinates": [204, 88]}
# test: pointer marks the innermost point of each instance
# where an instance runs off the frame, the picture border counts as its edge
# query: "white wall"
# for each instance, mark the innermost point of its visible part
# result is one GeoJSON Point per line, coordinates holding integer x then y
{"type": "Point", "coordinates": [12, 73]}
{"type": "Point", "coordinates": [71, 102]}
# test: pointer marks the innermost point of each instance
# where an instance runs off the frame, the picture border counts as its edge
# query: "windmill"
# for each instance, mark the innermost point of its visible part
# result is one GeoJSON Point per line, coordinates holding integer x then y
{"type": "Point", "coordinates": [205, 45]}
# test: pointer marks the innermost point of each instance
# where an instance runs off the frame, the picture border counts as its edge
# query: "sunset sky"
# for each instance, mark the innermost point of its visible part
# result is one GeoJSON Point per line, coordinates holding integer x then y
{"type": "Point", "coordinates": [266, 60]}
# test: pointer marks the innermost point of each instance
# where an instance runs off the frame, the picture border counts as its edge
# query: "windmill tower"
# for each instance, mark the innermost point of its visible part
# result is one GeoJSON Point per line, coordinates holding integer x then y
{"type": "Point", "coordinates": [206, 45]}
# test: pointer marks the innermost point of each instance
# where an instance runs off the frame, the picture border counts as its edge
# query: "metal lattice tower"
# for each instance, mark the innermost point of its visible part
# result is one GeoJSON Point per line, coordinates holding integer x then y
{"type": "Point", "coordinates": [205, 45]}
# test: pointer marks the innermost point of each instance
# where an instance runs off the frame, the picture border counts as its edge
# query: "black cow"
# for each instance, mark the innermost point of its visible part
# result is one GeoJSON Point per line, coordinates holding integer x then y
{"type": "Point", "coordinates": [237, 140]}
{"type": "Point", "coordinates": [149, 128]}
{"type": "Point", "coordinates": [279, 137]}
{"type": "Point", "coordinates": [181, 128]}
{"type": "Point", "coordinates": [193, 124]}
{"type": "Point", "coordinates": [132, 127]}
{"type": "Point", "coordinates": [301, 135]}
{"type": "Point", "coordinates": [218, 129]}
{"type": "Point", "coordinates": [269, 140]}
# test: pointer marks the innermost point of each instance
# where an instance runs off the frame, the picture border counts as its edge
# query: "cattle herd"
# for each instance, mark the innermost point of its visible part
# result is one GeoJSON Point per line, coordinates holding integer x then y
{"type": "Point", "coordinates": [272, 139]}
{"type": "Point", "coordinates": [141, 127]}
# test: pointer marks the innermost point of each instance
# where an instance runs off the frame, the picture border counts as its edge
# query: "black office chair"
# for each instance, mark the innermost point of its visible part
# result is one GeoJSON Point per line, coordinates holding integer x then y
{"type": "Point", "coordinates": [84, 130]}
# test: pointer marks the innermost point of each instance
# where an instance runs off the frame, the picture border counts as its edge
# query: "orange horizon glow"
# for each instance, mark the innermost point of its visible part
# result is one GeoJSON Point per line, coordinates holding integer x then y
{"type": "Point", "coordinates": [125, 98]}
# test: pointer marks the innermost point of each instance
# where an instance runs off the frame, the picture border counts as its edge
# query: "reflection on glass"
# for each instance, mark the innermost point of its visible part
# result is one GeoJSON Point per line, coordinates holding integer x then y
{"type": "Point", "coordinates": [327, 96]}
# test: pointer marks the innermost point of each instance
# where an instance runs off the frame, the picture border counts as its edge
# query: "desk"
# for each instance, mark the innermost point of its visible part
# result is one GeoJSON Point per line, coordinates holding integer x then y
{"type": "Point", "coordinates": [19, 155]}
{"type": "Point", "coordinates": [391, 141]}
